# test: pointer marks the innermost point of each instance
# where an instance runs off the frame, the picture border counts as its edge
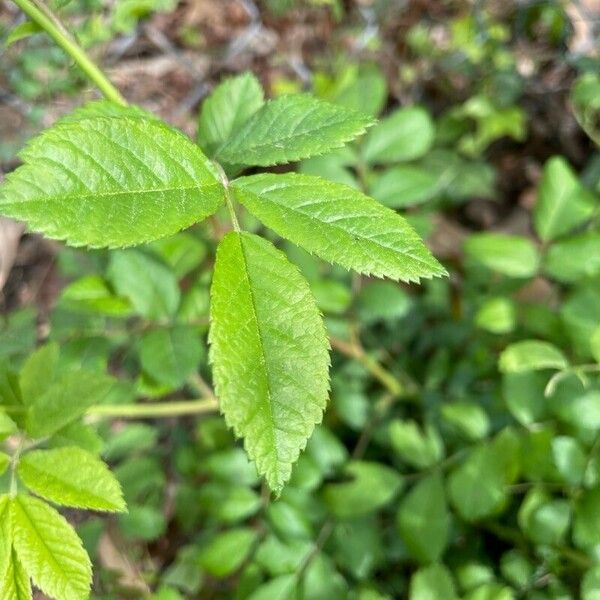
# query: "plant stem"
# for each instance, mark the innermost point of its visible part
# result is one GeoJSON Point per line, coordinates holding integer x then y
{"type": "Point", "coordinates": [379, 372]}
{"type": "Point", "coordinates": [42, 16]}
{"type": "Point", "coordinates": [13, 468]}
{"type": "Point", "coordinates": [158, 409]}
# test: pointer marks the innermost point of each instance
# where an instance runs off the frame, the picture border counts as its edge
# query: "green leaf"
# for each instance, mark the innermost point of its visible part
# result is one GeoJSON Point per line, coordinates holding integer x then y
{"type": "Point", "coordinates": [171, 355]}
{"type": "Point", "coordinates": [4, 462]}
{"type": "Point", "coordinates": [269, 353]}
{"type": "Point", "coordinates": [371, 485]}
{"type": "Point", "coordinates": [405, 135]}
{"type": "Point", "coordinates": [496, 315]}
{"type": "Point", "coordinates": [291, 128]}
{"type": "Point", "coordinates": [361, 87]}
{"type": "Point", "coordinates": [594, 346]}
{"type": "Point", "coordinates": [586, 522]}
{"type": "Point", "coordinates": [71, 477]}
{"type": "Point", "coordinates": [148, 284]}
{"type": "Point", "coordinates": [570, 459]}
{"type": "Point", "coordinates": [590, 585]}
{"type": "Point", "coordinates": [339, 224]}
{"type": "Point", "coordinates": [7, 425]}
{"type": "Point", "coordinates": [182, 252]}
{"type": "Point", "coordinates": [477, 488]}
{"type": "Point", "coordinates": [66, 400]}
{"type": "Point", "coordinates": [38, 372]}
{"type": "Point", "coordinates": [111, 181]}
{"type": "Point", "coordinates": [468, 418]}
{"type": "Point", "coordinates": [5, 535]}
{"type": "Point", "coordinates": [581, 316]}
{"type": "Point", "coordinates": [419, 448]}
{"type": "Point", "coordinates": [531, 355]}
{"type": "Point", "coordinates": [563, 203]}
{"type": "Point", "coordinates": [333, 166]}
{"type": "Point", "coordinates": [90, 294]}
{"type": "Point", "coordinates": [284, 587]}
{"type": "Point", "coordinates": [516, 568]}
{"type": "Point", "coordinates": [524, 395]}
{"type": "Point", "coordinates": [21, 31]}
{"type": "Point", "coordinates": [227, 108]}
{"type": "Point", "coordinates": [544, 520]}
{"type": "Point", "coordinates": [15, 583]}
{"type": "Point", "coordinates": [78, 434]}
{"type": "Point", "coordinates": [423, 520]}
{"type": "Point", "coordinates": [510, 255]}
{"type": "Point", "coordinates": [432, 583]}
{"type": "Point", "coordinates": [18, 332]}
{"type": "Point", "coordinates": [227, 552]}
{"type": "Point", "coordinates": [492, 591]}
{"type": "Point", "coordinates": [382, 300]}
{"type": "Point", "coordinates": [584, 97]}
{"type": "Point", "coordinates": [49, 550]}
{"type": "Point", "coordinates": [405, 185]}
{"type": "Point", "coordinates": [575, 258]}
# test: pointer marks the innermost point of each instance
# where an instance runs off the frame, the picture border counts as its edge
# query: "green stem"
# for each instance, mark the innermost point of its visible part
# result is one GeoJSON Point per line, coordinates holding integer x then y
{"type": "Point", "coordinates": [158, 409]}
{"type": "Point", "coordinates": [228, 199]}
{"type": "Point", "coordinates": [13, 468]}
{"type": "Point", "coordinates": [41, 15]}
{"type": "Point", "coordinates": [379, 372]}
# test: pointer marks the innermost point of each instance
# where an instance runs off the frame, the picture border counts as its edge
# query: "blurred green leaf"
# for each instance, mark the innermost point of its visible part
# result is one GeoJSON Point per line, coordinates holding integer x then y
{"type": "Point", "coordinates": [148, 284]}
{"type": "Point", "coordinates": [421, 448]}
{"type": "Point", "coordinates": [227, 551]}
{"type": "Point", "coordinates": [432, 583]}
{"type": "Point", "coordinates": [406, 134]}
{"type": "Point", "coordinates": [467, 418]}
{"type": "Point", "coordinates": [371, 485]}
{"type": "Point", "coordinates": [531, 355]}
{"type": "Point", "coordinates": [424, 521]}
{"type": "Point", "coordinates": [171, 355]}
{"type": "Point", "coordinates": [575, 258]}
{"type": "Point", "coordinates": [563, 203]}
{"type": "Point", "coordinates": [507, 254]}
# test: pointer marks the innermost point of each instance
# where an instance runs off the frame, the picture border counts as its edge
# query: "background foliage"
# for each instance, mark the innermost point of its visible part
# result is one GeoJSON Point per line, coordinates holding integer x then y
{"type": "Point", "coordinates": [460, 453]}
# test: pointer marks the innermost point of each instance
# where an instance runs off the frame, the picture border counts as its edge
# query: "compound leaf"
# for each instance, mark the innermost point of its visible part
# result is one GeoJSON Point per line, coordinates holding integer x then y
{"type": "Point", "coordinates": [228, 107]}
{"type": "Point", "coordinates": [339, 224]}
{"type": "Point", "coordinates": [269, 352]}
{"type": "Point", "coordinates": [110, 181]}
{"type": "Point", "coordinates": [49, 549]}
{"type": "Point", "coordinates": [291, 128]}
{"type": "Point", "coordinates": [72, 477]}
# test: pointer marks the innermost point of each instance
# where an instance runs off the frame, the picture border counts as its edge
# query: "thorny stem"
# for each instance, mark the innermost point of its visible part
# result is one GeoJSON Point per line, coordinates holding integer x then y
{"type": "Point", "coordinates": [40, 14]}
